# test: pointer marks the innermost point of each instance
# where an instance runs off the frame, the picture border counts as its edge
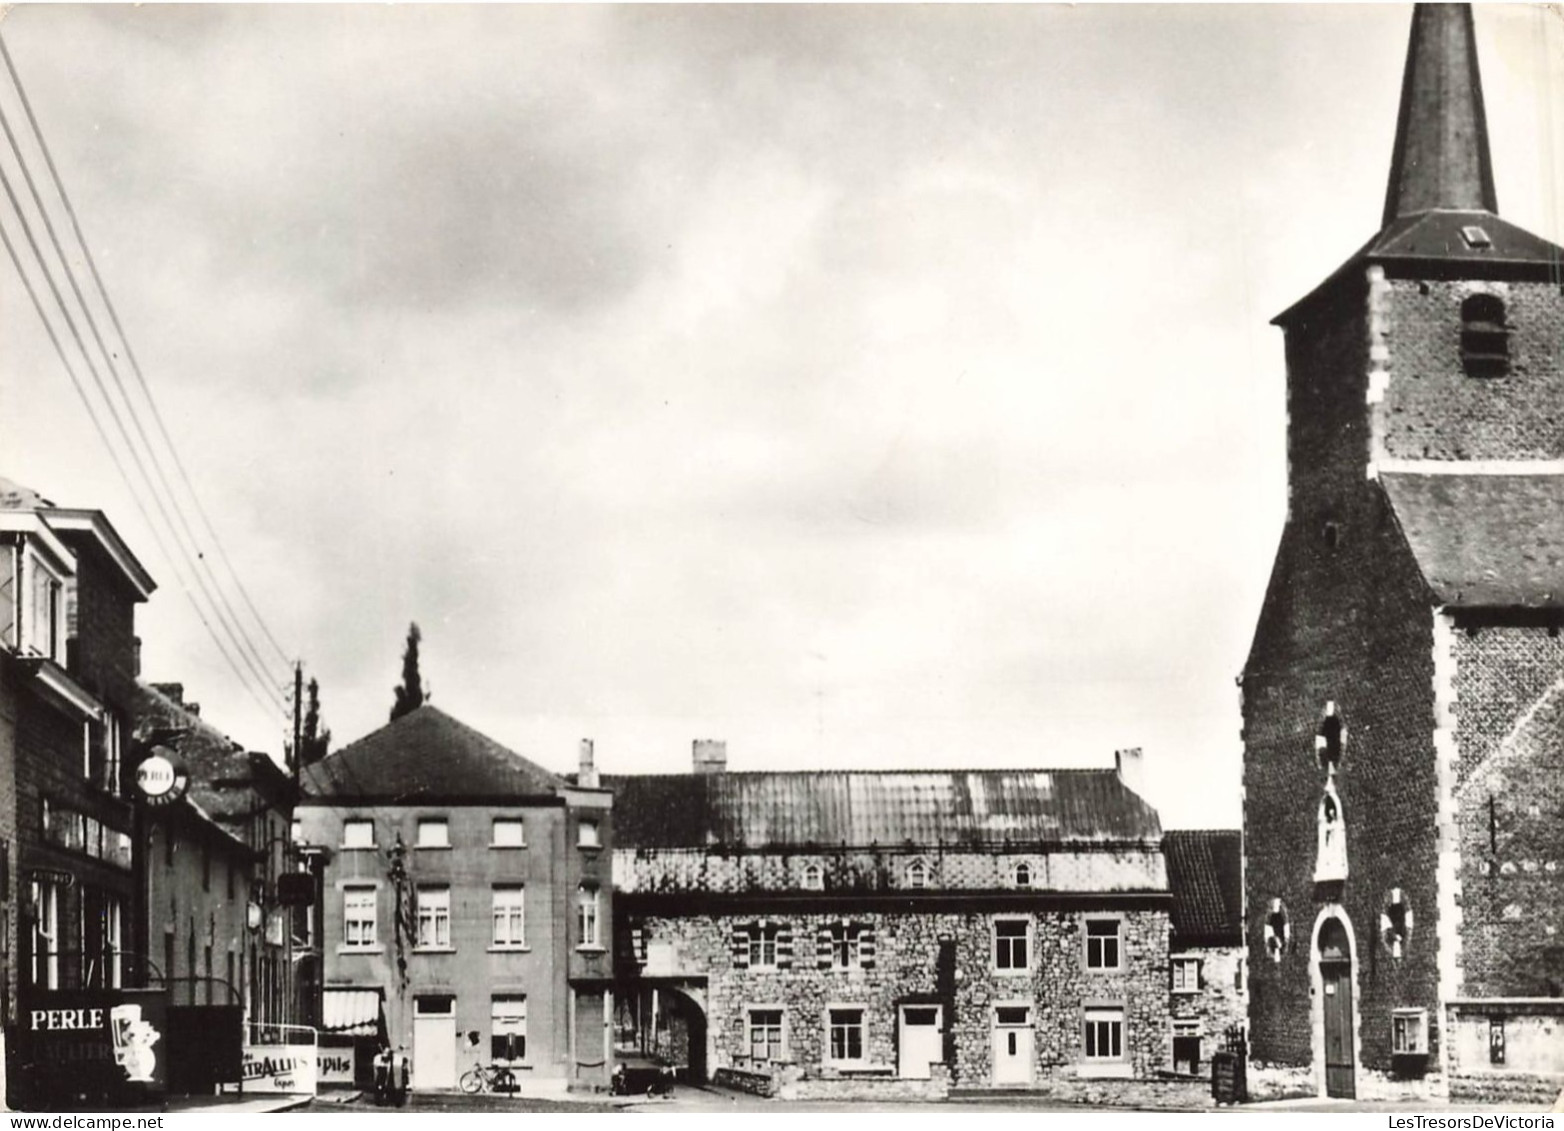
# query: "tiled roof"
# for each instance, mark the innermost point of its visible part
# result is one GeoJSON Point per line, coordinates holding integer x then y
{"type": "Point", "coordinates": [426, 753]}
{"type": "Point", "coordinates": [1206, 877]}
{"type": "Point", "coordinates": [1484, 540]}
{"type": "Point", "coordinates": [862, 808]}
{"type": "Point", "coordinates": [222, 773]}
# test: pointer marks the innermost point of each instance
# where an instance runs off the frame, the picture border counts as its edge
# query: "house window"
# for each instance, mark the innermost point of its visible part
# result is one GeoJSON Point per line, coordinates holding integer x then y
{"type": "Point", "coordinates": [230, 877]}
{"type": "Point", "coordinates": [846, 1034]}
{"type": "Point", "coordinates": [918, 874]}
{"type": "Point", "coordinates": [510, 916]}
{"type": "Point", "coordinates": [434, 917]}
{"type": "Point", "coordinates": [296, 832]}
{"type": "Point", "coordinates": [1104, 1033]}
{"type": "Point", "coordinates": [814, 877]}
{"type": "Point", "coordinates": [508, 1028]}
{"type": "Point", "coordinates": [103, 753]}
{"type": "Point", "coordinates": [1102, 944]}
{"type": "Point", "coordinates": [41, 629]}
{"type": "Point", "coordinates": [844, 947]}
{"type": "Point", "coordinates": [1408, 1031]}
{"type": "Point", "coordinates": [1485, 337]}
{"type": "Point", "coordinates": [1023, 875]}
{"type": "Point", "coordinates": [1186, 1047]}
{"type": "Point", "coordinates": [586, 919]}
{"type": "Point", "coordinates": [509, 832]}
{"type": "Point", "coordinates": [765, 1034]}
{"type": "Point", "coordinates": [206, 865]}
{"type": "Point", "coordinates": [586, 835]}
{"type": "Point", "coordinates": [763, 946]}
{"type": "Point", "coordinates": [434, 832]}
{"type": "Point", "coordinates": [1011, 938]}
{"type": "Point", "coordinates": [358, 833]}
{"type": "Point", "coordinates": [358, 918]}
{"type": "Point", "coordinates": [1186, 975]}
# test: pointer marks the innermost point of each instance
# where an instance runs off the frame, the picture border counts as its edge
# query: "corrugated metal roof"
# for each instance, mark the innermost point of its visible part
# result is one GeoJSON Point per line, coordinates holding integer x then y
{"type": "Point", "coordinates": [1205, 873]}
{"type": "Point", "coordinates": [426, 753]}
{"type": "Point", "coordinates": [1484, 540]}
{"type": "Point", "coordinates": [860, 808]}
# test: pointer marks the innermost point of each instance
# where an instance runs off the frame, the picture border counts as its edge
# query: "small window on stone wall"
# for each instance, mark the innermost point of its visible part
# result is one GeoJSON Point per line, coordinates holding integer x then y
{"type": "Point", "coordinates": [814, 877]}
{"type": "Point", "coordinates": [1395, 923]}
{"type": "Point", "coordinates": [1277, 931]}
{"type": "Point", "coordinates": [918, 874]}
{"type": "Point", "coordinates": [1023, 875]}
{"type": "Point", "coordinates": [1330, 738]}
{"type": "Point", "coordinates": [1485, 338]}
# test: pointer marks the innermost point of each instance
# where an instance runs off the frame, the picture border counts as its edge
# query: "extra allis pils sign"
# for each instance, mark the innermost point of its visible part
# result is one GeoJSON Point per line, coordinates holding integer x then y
{"type": "Point", "coordinates": [99, 1039]}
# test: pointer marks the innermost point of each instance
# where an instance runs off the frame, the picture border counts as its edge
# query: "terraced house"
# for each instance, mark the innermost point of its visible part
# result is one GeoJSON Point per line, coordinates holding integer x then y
{"type": "Point", "coordinates": [466, 905]}
{"type": "Point", "coordinates": [891, 933]}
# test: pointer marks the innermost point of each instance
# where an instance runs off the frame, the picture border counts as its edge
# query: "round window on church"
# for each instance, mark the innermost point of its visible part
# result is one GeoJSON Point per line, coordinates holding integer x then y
{"type": "Point", "coordinates": [1395, 923]}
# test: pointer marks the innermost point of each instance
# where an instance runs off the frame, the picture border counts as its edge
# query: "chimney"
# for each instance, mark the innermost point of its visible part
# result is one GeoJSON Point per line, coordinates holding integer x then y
{"type": "Point", "coordinates": [171, 691]}
{"type": "Point", "coordinates": [711, 755]}
{"type": "Point", "coordinates": [586, 778]}
{"type": "Point", "coordinates": [1131, 768]}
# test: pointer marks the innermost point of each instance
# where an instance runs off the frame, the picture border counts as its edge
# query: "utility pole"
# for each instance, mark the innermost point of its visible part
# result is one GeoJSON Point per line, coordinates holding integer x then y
{"type": "Point", "coordinates": [298, 724]}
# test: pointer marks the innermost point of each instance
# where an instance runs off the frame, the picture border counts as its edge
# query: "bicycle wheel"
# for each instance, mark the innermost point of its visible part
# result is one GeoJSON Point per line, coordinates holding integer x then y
{"type": "Point", "coordinates": [504, 1081]}
{"type": "Point", "coordinates": [471, 1081]}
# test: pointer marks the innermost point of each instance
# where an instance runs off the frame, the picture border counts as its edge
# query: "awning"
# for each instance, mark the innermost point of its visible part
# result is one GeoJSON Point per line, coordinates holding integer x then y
{"type": "Point", "coordinates": [351, 1012]}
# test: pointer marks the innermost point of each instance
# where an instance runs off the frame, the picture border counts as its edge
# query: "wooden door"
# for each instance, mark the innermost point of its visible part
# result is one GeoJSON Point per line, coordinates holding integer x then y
{"type": "Point", "coordinates": [920, 1042]}
{"type": "Point", "coordinates": [1336, 984]}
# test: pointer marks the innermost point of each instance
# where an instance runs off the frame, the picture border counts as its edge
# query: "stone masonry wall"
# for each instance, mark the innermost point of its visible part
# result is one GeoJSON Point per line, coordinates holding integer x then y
{"type": "Point", "coordinates": [1221, 1000]}
{"type": "Point", "coordinates": [1346, 619]}
{"type": "Point", "coordinates": [1433, 410]}
{"type": "Point", "coordinates": [1509, 694]}
{"type": "Point", "coordinates": [907, 956]}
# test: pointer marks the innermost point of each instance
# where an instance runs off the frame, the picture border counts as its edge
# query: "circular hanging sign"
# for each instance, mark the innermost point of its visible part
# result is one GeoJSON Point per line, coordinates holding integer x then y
{"type": "Point", "coordinates": [160, 781]}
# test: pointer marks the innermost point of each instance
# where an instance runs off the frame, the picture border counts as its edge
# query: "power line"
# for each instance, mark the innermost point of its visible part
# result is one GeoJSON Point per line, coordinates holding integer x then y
{"type": "Point", "coordinates": [240, 640]}
{"type": "Point", "coordinates": [130, 354]}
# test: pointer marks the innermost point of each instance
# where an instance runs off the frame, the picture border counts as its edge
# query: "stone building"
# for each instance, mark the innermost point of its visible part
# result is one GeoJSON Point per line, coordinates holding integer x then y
{"type": "Point", "coordinates": [1206, 975]}
{"type": "Point", "coordinates": [467, 895]}
{"type": "Point", "coordinates": [1403, 700]}
{"type": "Point", "coordinates": [891, 933]}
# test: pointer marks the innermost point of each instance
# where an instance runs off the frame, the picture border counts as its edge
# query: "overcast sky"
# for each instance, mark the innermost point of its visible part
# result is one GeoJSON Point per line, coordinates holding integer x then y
{"type": "Point", "coordinates": [869, 387]}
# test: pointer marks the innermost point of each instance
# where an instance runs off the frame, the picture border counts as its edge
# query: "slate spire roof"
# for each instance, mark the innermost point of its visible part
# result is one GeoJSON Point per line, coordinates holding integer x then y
{"type": "Point", "coordinates": [1441, 157]}
{"type": "Point", "coordinates": [423, 756]}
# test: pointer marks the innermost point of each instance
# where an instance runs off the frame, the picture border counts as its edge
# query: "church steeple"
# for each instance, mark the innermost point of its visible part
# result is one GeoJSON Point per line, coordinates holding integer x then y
{"type": "Point", "coordinates": [1441, 156]}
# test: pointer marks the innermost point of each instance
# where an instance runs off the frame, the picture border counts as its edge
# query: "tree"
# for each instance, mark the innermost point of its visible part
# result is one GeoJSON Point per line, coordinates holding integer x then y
{"type": "Point", "coordinates": [410, 694]}
{"type": "Point", "coordinates": [316, 741]}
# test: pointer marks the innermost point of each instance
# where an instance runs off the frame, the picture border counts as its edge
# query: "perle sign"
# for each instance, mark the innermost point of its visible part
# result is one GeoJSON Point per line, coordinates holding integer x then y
{"type": "Point", "coordinates": [160, 781]}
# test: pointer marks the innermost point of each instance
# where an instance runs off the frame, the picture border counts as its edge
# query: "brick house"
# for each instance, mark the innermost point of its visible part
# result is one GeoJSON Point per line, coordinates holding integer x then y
{"type": "Point", "coordinates": [1206, 943]}
{"type": "Point", "coordinates": [1404, 695]}
{"type": "Point", "coordinates": [215, 925]}
{"type": "Point", "coordinates": [68, 653]}
{"type": "Point", "coordinates": [466, 895]}
{"type": "Point", "coordinates": [890, 933]}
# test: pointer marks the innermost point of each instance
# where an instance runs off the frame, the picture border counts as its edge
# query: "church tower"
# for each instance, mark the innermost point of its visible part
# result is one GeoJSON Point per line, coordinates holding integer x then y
{"type": "Point", "coordinates": [1403, 699]}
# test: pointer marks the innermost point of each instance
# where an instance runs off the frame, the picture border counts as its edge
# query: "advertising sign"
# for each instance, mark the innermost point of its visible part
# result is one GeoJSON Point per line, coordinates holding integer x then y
{"type": "Point", "coordinates": [334, 1065]}
{"type": "Point", "coordinates": [96, 1042]}
{"type": "Point", "coordinates": [280, 1068]}
{"type": "Point", "coordinates": [161, 780]}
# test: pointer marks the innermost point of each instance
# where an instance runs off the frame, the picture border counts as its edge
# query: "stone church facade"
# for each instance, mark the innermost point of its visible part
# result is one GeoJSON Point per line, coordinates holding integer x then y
{"type": "Point", "coordinates": [1403, 700]}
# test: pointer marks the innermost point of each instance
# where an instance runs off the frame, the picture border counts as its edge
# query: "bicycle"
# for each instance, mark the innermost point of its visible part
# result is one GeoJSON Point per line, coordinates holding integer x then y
{"type": "Point", "coordinates": [487, 1078]}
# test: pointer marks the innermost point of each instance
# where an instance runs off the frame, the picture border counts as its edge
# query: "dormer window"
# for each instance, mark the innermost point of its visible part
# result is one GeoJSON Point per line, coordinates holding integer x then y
{"type": "Point", "coordinates": [1023, 875]}
{"type": "Point", "coordinates": [1485, 338]}
{"type": "Point", "coordinates": [814, 877]}
{"type": "Point", "coordinates": [918, 874]}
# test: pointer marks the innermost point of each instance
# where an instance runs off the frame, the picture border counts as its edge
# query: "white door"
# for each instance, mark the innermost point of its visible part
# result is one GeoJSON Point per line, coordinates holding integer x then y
{"type": "Point", "coordinates": [434, 1043]}
{"type": "Point", "coordinates": [919, 1043]}
{"type": "Point", "coordinates": [1013, 1044]}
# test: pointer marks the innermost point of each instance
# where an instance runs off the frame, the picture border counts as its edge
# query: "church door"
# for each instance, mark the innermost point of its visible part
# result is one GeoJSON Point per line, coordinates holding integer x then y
{"type": "Point", "coordinates": [1336, 985]}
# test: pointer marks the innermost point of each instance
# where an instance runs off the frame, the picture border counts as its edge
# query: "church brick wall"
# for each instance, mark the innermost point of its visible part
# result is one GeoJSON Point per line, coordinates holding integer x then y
{"type": "Point", "coordinates": [1347, 622]}
{"type": "Point", "coordinates": [1433, 410]}
{"type": "Point", "coordinates": [1509, 687]}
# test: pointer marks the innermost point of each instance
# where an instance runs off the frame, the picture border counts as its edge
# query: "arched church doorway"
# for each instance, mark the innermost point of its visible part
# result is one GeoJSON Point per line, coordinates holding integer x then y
{"type": "Point", "coordinates": [1336, 990]}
